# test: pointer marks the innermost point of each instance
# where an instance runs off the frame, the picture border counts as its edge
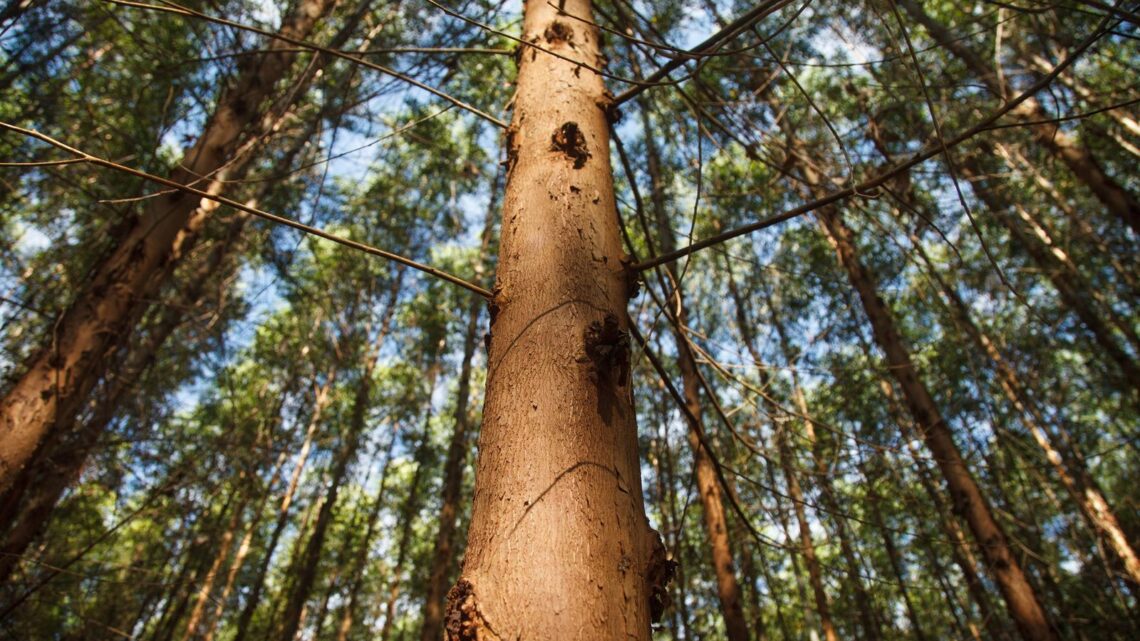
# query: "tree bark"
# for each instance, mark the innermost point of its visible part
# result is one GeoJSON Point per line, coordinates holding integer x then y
{"type": "Point", "coordinates": [59, 377]}
{"type": "Point", "coordinates": [320, 401]}
{"type": "Point", "coordinates": [559, 547]}
{"type": "Point", "coordinates": [1066, 461]}
{"type": "Point", "coordinates": [65, 453]}
{"type": "Point", "coordinates": [1070, 287]}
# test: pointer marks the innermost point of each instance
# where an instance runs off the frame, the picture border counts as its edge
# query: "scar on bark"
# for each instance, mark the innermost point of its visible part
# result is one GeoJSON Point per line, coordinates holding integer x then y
{"type": "Point", "coordinates": [512, 147]}
{"type": "Point", "coordinates": [558, 32]}
{"type": "Point", "coordinates": [607, 348]}
{"type": "Point", "coordinates": [464, 620]}
{"type": "Point", "coordinates": [570, 140]}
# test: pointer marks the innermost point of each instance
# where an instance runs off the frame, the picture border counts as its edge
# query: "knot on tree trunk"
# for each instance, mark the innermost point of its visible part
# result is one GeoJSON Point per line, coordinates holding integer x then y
{"type": "Point", "coordinates": [464, 620]}
{"type": "Point", "coordinates": [570, 140]}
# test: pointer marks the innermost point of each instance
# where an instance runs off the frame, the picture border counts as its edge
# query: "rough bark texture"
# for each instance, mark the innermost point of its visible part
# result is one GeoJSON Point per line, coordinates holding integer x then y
{"type": "Point", "coordinates": [559, 547]}
{"type": "Point", "coordinates": [31, 501]}
{"type": "Point", "coordinates": [62, 373]}
{"type": "Point", "coordinates": [1020, 597]}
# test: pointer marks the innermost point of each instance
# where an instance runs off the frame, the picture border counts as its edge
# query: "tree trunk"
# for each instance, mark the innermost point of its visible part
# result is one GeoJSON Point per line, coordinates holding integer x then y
{"type": "Point", "coordinates": [1020, 597]}
{"type": "Point", "coordinates": [356, 574]}
{"type": "Point", "coordinates": [59, 377]}
{"type": "Point", "coordinates": [307, 573]}
{"type": "Point", "coordinates": [61, 464]}
{"type": "Point", "coordinates": [1072, 290]}
{"type": "Point", "coordinates": [559, 547]}
{"type": "Point", "coordinates": [206, 584]}
{"type": "Point", "coordinates": [1066, 461]}
{"type": "Point", "coordinates": [242, 553]}
{"type": "Point", "coordinates": [409, 511]}
{"type": "Point", "coordinates": [893, 556]}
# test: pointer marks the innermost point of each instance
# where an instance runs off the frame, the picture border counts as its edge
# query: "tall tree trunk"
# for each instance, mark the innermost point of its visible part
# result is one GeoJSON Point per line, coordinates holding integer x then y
{"type": "Point", "coordinates": [206, 584]}
{"type": "Point", "coordinates": [1057, 142]}
{"type": "Point", "coordinates": [409, 511]}
{"type": "Point", "coordinates": [307, 572]}
{"type": "Point", "coordinates": [242, 553]}
{"type": "Point", "coordinates": [559, 547]}
{"type": "Point", "coordinates": [1020, 597]}
{"type": "Point", "coordinates": [356, 574]}
{"type": "Point", "coordinates": [712, 502]}
{"type": "Point", "coordinates": [807, 546]}
{"type": "Point", "coordinates": [59, 377]}
{"type": "Point", "coordinates": [874, 499]}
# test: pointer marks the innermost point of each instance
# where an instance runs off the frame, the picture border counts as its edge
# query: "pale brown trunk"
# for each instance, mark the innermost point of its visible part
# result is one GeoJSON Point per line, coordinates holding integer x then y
{"type": "Point", "coordinates": [559, 547]}
{"type": "Point", "coordinates": [320, 401]}
{"type": "Point", "coordinates": [65, 452]}
{"type": "Point", "coordinates": [1020, 596]}
{"type": "Point", "coordinates": [59, 377]}
{"type": "Point", "coordinates": [893, 556]}
{"type": "Point", "coordinates": [408, 513]}
{"type": "Point", "coordinates": [241, 554]}
{"type": "Point", "coordinates": [293, 615]}
{"type": "Point", "coordinates": [807, 546]}
{"type": "Point", "coordinates": [1126, 274]}
{"type": "Point", "coordinates": [1057, 142]}
{"type": "Point", "coordinates": [206, 584]}
{"type": "Point", "coordinates": [865, 608]}
{"type": "Point", "coordinates": [362, 553]}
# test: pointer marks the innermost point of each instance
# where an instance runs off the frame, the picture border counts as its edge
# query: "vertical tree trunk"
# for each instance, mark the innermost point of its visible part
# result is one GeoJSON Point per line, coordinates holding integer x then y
{"type": "Point", "coordinates": [59, 377]}
{"type": "Point", "coordinates": [1020, 596]}
{"type": "Point", "coordinates": [893, 556]}
{"type": "Point", "coordinates": [356, 574]}
{"type": "Point", "coordinates": [206, 585]}
{"type": "Point", "coordinates": [558, 547]}
{"type": "Point", "coordinates": [1066, 462]}
{"type": "Point", "coordinates": [409, 511]}
{"type": "Point", "coordinates": [1073, 292]}
{"type": "Point", "coordinates": [242, 553]}
{"type": "Point", "coordinates": [307, 573]}
{"type": "Point", "coordinates": [712, 503]}
{"type": "Point", "coordinates": [807, 546]}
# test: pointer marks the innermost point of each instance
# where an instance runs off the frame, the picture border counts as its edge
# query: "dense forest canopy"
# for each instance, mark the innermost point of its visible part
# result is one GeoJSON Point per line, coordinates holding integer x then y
{"type": "Point", "coordinates": [350, 319]}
